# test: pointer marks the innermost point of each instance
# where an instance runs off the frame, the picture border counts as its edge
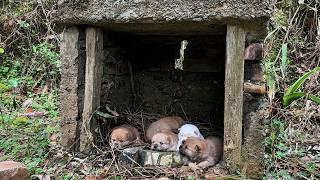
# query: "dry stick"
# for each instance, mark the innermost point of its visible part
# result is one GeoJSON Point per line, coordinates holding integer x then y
{"type": "Point", "coordinates": [113, 159]}
{"type": "Point", "coordinates": [132, 160]}
{"type": "Point", "coordinates": [142, 121]}
{"type": "Point", "coordinates": [127, 170]}
{"type": "Point", "coordinates": [47, 19]}
{"type": "Point", "coordinates": [288, 30]}
{"type": "Point", "coordinates": [184, 112]}
{"type": "Point", "coordinates": [132, 82]}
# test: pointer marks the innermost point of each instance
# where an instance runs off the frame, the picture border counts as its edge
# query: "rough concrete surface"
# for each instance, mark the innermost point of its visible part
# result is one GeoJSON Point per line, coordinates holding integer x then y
{"type": "Point", "coordinates": [153, 11]}
{"type": "Point", "coordinates": [253, 146]}
{"type": "Point", "coordinates": [71, 85]}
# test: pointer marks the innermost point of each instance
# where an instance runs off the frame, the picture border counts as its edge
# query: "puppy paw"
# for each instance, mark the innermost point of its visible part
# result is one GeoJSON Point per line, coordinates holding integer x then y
{"type": "Point", "coordinates": [195, 168]}
{"type": "Point", "coordinates": [202, 166]}
{"type": "Point", "coordinates": [205, 164]}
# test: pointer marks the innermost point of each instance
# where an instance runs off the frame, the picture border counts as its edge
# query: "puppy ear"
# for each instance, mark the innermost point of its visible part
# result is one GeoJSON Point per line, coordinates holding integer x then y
{"type": "Point", "coordinates": [126, 134]}
{"type": "Point", "coordinates": [197, 148]}
{"type": "Point", "coordinates": [168, 139]}
{"type": "Point", "coordinates": [176, 131]}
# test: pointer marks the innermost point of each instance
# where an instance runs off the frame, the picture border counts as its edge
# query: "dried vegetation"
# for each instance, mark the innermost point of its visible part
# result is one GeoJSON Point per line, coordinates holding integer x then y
{"type": "Point", "coordinates": [293, 49]}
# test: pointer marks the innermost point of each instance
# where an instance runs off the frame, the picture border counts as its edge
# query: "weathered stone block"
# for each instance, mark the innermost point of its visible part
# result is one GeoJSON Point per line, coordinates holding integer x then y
{"type": "Point", "coordinates": [254, 71]}
{"type": "Point", "coordinates": [72, 81]}
{"type": "Point", "coordinates": [255, 112]}
{"type": "Point", "coordinates": [130, 156]}
{"type": "Point", "coordinates": [254, 52]}
{"type": "Point", "coordinates": [11, 170]}
{"type": "Point", "coordinates": [155, 158]}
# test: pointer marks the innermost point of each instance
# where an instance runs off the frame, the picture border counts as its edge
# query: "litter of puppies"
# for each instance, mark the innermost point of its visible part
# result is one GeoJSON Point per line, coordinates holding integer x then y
{"type": "Point", "coordinates": [172, 133]}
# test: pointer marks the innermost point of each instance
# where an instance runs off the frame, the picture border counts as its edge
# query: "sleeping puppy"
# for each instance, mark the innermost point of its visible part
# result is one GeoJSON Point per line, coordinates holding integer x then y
{"type": "Point", "coordinates": [171, 123]}
{"type": "Point", "coordinates": [188, 130]}
{"type": "Point", "coordinates": [205, 152]}
{"type": "Point", "coordinates": [123, 135]}
{"type": "Point", "coordinates": [164, 141]}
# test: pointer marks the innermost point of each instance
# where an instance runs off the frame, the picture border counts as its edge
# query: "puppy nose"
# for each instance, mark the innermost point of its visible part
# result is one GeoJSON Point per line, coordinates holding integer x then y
{"type": "Point", "coordinates": [155, 146]}
{"type": "Point", "coordinates": [180, 147]}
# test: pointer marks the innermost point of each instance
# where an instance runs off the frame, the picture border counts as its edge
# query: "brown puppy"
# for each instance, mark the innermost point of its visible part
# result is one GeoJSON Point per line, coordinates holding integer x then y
{"type": "Point", "coordinates": [123, 135]}
{"type": "Point", "coordinates": [171, 123]}
{"type": "Point", "coordinates": [205, 152]}
{"type": "Point", "coordinates": [164, 141]}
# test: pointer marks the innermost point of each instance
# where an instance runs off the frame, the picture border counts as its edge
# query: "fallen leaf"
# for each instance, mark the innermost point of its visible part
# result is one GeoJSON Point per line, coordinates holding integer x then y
{"type": "Point", "coordinates": [27, 103]}
{"type": "Point", "coordinates": [29, 110]}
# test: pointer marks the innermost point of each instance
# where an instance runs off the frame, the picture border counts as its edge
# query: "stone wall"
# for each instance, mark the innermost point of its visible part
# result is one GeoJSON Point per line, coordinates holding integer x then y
{"type": "Point", "coordinates": [197, 92]}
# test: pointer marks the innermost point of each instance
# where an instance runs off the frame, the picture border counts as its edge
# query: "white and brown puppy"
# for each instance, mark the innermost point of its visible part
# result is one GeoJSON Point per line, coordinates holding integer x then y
{"type": "Point", "coordinates": [188, 130]}
{"type": "Point", "coordinates": [123, 135]}
{"type": "Point", "coordinates": [171, 123]}
{"type": "Point", "coordinates": [205, 152]}
{"type": "Point", "coordinates": [164, 141]}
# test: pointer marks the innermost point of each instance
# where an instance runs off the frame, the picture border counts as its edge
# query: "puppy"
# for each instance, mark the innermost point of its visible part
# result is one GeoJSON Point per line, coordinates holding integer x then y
{"type": "Point", "coordinates": [164, 141]}
{"type": "Point", "coordinates": [188, 130]}
{"type": "Point", "coordinates": [123, 135]}
{"type": "Point", "coordinates": [171, 123]}
{"type": "Point", "coordinates": [205, 152]}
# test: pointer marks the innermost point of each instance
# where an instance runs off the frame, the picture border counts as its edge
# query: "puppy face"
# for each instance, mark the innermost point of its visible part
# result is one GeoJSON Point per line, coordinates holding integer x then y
{"type": "Point", "coordinates": [161, 142]}
{"type": "Point", "coordinates": [192, 148]}
{"type": "Point", "coordinates": [119, 138]}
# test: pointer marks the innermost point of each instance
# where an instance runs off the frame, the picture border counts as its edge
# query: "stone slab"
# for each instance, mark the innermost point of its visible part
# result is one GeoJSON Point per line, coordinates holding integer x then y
{"type": "Point", "coordinates": [11, 170]}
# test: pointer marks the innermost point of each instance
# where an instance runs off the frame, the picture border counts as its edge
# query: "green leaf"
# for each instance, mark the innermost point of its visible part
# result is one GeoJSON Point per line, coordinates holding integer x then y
{"type": "Point", "coordinates": [315, 99]}
{"type": "Point", "coordinates": [292, 93]}
{"type": "Point", "coordinates": [105, 115]}
{"type": "Point", "coordinates": [271, 79]}
{"type": "Point", "coordinates": [13, 82]}
{"type": "Point", "coordinates": [300, 81]}
{"type": "Point", "coordinates": [284, 61]}
{"type": "Point", "coordinates": [270, 34]}
{"type": "Point", "coordinates": [288, 99]}
{"type": "Point", "coordinates": [1, 50]}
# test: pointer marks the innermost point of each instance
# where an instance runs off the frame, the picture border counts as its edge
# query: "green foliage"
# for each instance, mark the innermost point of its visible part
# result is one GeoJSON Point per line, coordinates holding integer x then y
{"type": "Point", "coordinates": [104, 115]}
{"type": "Point", "coordinates": [26, 141]}
{"type": "Point", "coordinates": [276, 146]}
{"type": "Point", "coordinates": [293, 93]}
{"type": "Point", "coordinates": [1, 50]}
{"type": "Point", "coordinates": [21, 138]}
{"type": "Point", "coordinates": [117, 178]}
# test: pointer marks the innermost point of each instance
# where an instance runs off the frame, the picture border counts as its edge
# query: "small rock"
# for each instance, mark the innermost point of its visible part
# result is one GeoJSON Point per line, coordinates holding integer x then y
{"type": "Point", "coordinates": [166, 160]}
{"type": "Point", "coordinates": [155, 158]}
{"type": "Point", "coordinates": [254, 52]}
{"type": "Point", "coordinates": [11, 170]}
{"type": "Point", "coordinates": [149, 158]}
{"type": "Point", "coordinates": [130, 156]}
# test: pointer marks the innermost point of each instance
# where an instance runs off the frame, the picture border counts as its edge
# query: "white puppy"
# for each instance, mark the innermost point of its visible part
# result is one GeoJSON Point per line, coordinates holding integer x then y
{"type": "Point", "coordinates": [188, 130]}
